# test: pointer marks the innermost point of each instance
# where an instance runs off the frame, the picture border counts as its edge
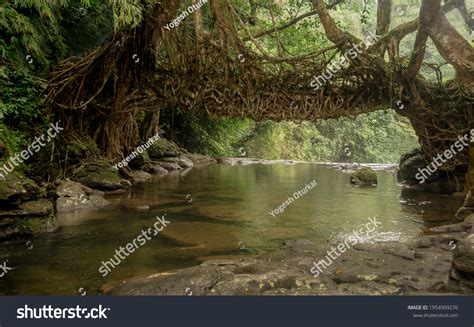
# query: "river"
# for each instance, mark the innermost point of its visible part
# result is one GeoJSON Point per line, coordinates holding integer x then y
{"type": "Point", "coordinates": [215, 211]}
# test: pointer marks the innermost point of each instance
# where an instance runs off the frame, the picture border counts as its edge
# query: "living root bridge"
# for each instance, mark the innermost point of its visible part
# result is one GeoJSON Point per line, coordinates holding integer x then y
{"type": "Point", "coordinates": [222, 69]}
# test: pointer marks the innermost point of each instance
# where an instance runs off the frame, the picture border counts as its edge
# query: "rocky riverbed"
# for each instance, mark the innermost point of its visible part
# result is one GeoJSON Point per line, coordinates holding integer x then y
{"type": "Point", "coordinates": [424, 266]}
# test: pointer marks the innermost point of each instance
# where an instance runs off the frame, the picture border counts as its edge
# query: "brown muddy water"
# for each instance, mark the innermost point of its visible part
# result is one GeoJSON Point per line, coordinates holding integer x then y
{"type": "Point", "coordinates": [215, 211]}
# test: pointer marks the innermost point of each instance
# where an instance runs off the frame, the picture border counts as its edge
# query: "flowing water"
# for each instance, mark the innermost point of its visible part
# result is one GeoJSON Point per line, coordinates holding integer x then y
{"type": "Point", "coordinates": [214, 211]}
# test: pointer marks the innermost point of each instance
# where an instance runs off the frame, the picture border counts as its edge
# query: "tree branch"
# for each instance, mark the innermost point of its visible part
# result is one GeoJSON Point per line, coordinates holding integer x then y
{"type": "Point", "coordinates": [384, 10]}
{"type": "Point", "coordinates": [428, 11]}
{"type": "Point", "coordinates": [291, 22]}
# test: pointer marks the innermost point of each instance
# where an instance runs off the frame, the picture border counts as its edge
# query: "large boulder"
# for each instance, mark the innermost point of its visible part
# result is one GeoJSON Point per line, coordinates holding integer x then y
{"type": "Point", "coordinates": [364, 177]}
{"type": "Point", "coordinates": [410, 163]}
{"type": "Point", "coordinates": [102, 176]}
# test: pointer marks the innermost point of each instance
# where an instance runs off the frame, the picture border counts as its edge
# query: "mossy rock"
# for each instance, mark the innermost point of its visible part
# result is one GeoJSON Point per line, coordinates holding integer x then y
{"type": "Point", "coordinates": [364, 177]}
{"type": "Point", "coordinates": [163, 148]}
{"type": "Point", "coordinates": [16, 187]}
{"type": "Point", "coordinates": [100, 175]}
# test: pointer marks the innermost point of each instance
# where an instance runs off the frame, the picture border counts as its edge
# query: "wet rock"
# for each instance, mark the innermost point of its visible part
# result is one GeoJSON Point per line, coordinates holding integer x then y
{"type": "Point", "coordinates": [463, 255]}
{"type": "Point", "coordinates": [409, 165]}
{"type": "Point", "coordinates": [101, 175]}
{"type": "Point", "coordinates": [227, 161]}
{"type": "Point", "coordinates": [199, 159]}
{"type": "Point", "coordinates": [182, 161]}
{"type": "Point", "coordinates": [462, 271]}
{"type": "Point", "coordinates": [453, 228]}
{"type": "Point", "coordinates": [98, 201]}
{"type": "Point", "coordinates": [170, 166]}
{"type": "Point", "coordinates": [364, 177]}
{"type": "Point", "coordinates": [70, 189]}
{"type": "Point", "coordinates": [35, 208]}
{"type": "Point", "coordinates": [75, 196]}
{"type": "Point", "coordinates": [155, 169]}
{"type": "Point", "coordinates": [41, 208]}
{"type": "Point", "coordinates": [140, 176]}
{"type": "Point", "coordinates": [71, 204]}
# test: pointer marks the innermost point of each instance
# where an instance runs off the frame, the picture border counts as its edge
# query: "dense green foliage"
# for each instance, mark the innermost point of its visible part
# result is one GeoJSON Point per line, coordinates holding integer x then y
{"type": "Point", "coordinates": [375, 137]}
{"type": "Point", "coordinates": [37, 34]}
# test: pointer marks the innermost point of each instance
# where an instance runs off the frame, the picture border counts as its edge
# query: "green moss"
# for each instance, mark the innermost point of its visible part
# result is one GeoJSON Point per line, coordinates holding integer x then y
{"type": "Point", "coordinates": [366, 174]}
{"type": "Point", "coordinates": [32, 225]}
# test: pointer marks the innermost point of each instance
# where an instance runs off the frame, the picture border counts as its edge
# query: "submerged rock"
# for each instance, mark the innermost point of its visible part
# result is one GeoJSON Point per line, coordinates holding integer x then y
{"type": "Point", "coordinates": [364, 177]}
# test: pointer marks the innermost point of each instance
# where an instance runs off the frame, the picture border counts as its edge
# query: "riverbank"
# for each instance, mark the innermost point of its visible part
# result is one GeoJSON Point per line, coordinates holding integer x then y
{"type": "Point", "coordinates": [419, 267]}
